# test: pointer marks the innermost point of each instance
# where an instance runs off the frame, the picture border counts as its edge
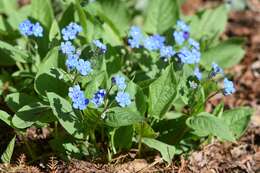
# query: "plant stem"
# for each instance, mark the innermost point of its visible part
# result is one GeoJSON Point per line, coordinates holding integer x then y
{"type": "Point", "coordinates": [32, 154]}
{"type": "Point", "coordinates": [140, 140]}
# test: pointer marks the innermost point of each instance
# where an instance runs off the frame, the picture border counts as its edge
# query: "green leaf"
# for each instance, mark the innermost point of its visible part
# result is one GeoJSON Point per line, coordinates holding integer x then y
{"type": "Point", "coordinates": [145, 130]}
{"type": "Point", "coordinates": [225, 54]}
{"type": "Point", "coordinates": [95, 83]}
{"type": "Point", "coordinates": [10, 54]}
{"type": "Point", "coordinates": [54, 31]}
{"type": "Point", "coordinates": [117, 117]}
{"type": "Point", "coordinates": [167, 151]}
{"type": "Point", "coordinates": [42, 12]}
{"type": "Point", "coordinates": [209, 23]}
{"type": "Point", "coordinates": [118, 21]}
{"type": "Point", "coordinates": [7, 155]}
{"type": "Point", "coordinates": [110, 36]}
{"type": "Point", "coordinates": [136, 93]}
{"type": "Point", "coordinates": [31, 114]}
{"type": "Point", "coordinates": [48, 78]}
{"type": "Point", "coordinates": [16, 101]}
{"type": "Point", "coordinates": [83, 20]}
{"type": "Point", "coordinates": [237, 119]}
{"type": "Point", "coordinates": [206, 124]}
{"type": "Point", "coordinates": [162, 93]}
{"type": "Point", "coordinates": [122, 138]}
{"type": "Point", "coordinates": [65, 114]}
{"type": "Point", "coordinates": [161, 15]}
{"type": "Point", "coordinates": [218, 111]}
{"type": "Point", "coordinates": [6, 118]}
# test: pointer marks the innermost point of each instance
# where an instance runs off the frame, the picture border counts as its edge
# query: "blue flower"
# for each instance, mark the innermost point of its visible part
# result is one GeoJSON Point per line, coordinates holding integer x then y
{"type": "Point", "coordinates": [179, 37]}
{"type": "Point", "coordinates": [72, 61]}
{"type": "Point", "coordinates": [26, 28]}
{"type": "Point", "coordinates": [136, 37]}
{"type": "Point", "coordinates": [154, 42]}
{"type": "Point", "coordinates": [189, 56]}
{"type": "Point", "coordinates": [37, 30]}
{"type": "Point", "coordinates": [215, 70]}
{"type": "Point", "coordinates": [123, 99]}
{"type": "Point", "coordinates": [194, 44]}
{"type": "Point", "coordinates": [98, 98]}
{"type": "Point", "coordinates": [182, 26]}
{"type": "Point", "coordinates": [197, 73]}
{"type": "Point", "coordinates": [84, 67]}
{"type": "Point", "coordinates": [70, 32]}
{"type": "Point", "coordinates": [119, 81]}
{"type": "Point", "coordinates": [166, 52]}
{"type": "Point", "coordinates": [100, 45]}
{"type": "Point", "coordinates": [78, 99]}
{"type": "Point", "coordinates": [67, 48]}
{"type": "Point", "coordinates": [228, 87]}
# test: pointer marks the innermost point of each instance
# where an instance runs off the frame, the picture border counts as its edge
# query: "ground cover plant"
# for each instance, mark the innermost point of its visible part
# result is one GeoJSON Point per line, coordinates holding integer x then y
{"type": "Point", "coordinates": [108, 76]}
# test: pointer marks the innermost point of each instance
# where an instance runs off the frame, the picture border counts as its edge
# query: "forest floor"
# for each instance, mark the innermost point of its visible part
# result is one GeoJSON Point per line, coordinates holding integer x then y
{"type": "Point", "coordinates": [217, 157]}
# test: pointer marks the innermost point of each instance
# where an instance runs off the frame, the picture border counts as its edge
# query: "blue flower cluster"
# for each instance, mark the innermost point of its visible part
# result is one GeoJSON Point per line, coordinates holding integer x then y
{"type": "Point", "coordinates": [78, 98]}
{"type": "Point", "coordinates": [154, 42]}
{"type": "Point", "coordinates": [71, 31]}
{"type": "Point", "coordinates": [136, 37]}
{"type": "Point", "coordinates": [181, 33]}
{"type": "Point", "coordinates": [119, 81]}
{"type": "Point", "coordinates": [197, 73]}
{"type": "Point", "coordinates": [228, 87]}
{"type": "Point", "coordinates": [102, 47]}
{"type": "Point", "coordinates": [215, 70]}
{"type": "Point", "coordinates": [98, 98]}
{"type": "Point", "coordinates": [73, 61]}
{"type": "Point", "coordinates": [27, 28]}
{"type": "Point", "coordinates": [122, 97]}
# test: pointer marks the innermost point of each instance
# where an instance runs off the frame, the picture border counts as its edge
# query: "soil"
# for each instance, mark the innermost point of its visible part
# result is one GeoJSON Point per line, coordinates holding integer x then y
{"type": "Point", "coordinates": [217, 157]}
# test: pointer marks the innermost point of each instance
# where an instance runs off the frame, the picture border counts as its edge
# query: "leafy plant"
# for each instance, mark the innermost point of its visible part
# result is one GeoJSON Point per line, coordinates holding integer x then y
{"type": "Point", "coordinates": [87, 74]}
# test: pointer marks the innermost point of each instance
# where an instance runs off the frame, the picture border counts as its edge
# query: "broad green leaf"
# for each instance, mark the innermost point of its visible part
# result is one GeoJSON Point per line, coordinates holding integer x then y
{"type": "Point", "coordinates": [31, 114]}
{"type": "Point", "coordinates": [83, 20]}
{"type": "Point", "coordinates": [10, 54]}
{"type": "Point", "coordinates": [16, 101]}
{"type": "Point", "coordinates": [237, 119]}
{"type": "Point", "coordinates": [6, 118]}
{"type": "Point", "coordinates": [54, 31]}
{"type": "Point", "coordinates": [162, 93]}
{"type": "Point", "coordinates": [136, 94]}
{"type": "Point", "coordinates": [225, 54]}
{"type": "Point", "coordinates": [218, 111]}
{"type": "Point", "coordinates": [122, 138]}
{"type": "Point", "coordinates": [17, 16]}
{"type": "Point", "coordinates": [167, 151]}
{"type": "Point", "coordinates": [65, 114]}
{"type": "Point", "coordinates": [209, 23]}
{"type": "Point", "coordinates": [7, 6]}
{"type": "Point", "coordinates": [67, 16]}
{"type": "Point", "coordinates": [145, 130]}
{"type": "Point", "coordinates": [48, 78]}
{"type": "Point", "coordinates": [42, 11]}
{"type": "Point", "coordinates": [117, 117]}
{"type": "Point", "coordinates": [110, 36]}
{"type": "Point", "coordinates": [161, 15]}
{"type": "Point", "coordinates": [7, 155]}
{"type": "Point", "coordinates": [118, 21]}
{"type": "Point", "coordinates": [171, 131]}
{"type": "Point", "coordinates": [173, 115]}
{"type": "Point", "coordinates": [207, 124]}
{"type": "Point", "coordinates": [94, 84]}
